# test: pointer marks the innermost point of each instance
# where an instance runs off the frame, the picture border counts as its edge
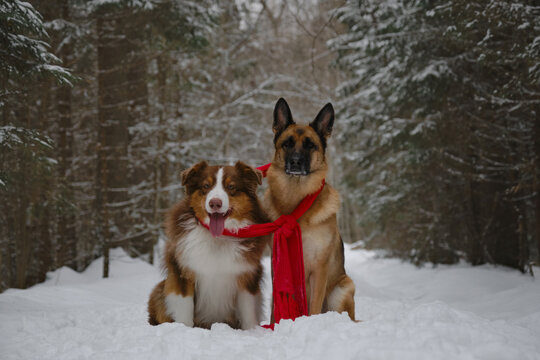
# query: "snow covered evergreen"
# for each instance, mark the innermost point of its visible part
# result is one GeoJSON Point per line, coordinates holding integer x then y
{"type": "Point", "coordinates": [439, 128]}
{"type": "Point", "coordinates": [436, 149]}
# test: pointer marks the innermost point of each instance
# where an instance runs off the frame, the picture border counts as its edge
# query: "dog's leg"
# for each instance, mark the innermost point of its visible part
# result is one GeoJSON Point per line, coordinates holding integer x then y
{"type": "Point", "coordinates": [249, 300]}
{"type": "Point", "coordinates": [341, 298]}
{"type": "Point", "coordinates": [179, 289]}
{"type": "Point", "coordinates": [317, 284]}
{"type": "Point", "coordinates": [179, 302]}
{"type": "Point", "coordinates": [180, 308]}
{"type": "Point", "coordinates": [157, 312]}
{"type": "Point", "coordinates": [272, 310]}
{"type": "Point", "coordinates": [248, 309]}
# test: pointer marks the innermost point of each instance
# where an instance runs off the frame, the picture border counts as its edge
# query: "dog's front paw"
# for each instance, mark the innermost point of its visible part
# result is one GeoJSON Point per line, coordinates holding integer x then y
{"type": "Point", "coordinates": [248, 309]}
{"type": "Point", "coordinates": [180, 308]}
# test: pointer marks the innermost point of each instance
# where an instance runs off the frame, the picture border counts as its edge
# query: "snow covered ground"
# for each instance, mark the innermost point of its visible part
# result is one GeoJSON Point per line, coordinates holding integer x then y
{"type": "Point", "coordinates": [448, 312]}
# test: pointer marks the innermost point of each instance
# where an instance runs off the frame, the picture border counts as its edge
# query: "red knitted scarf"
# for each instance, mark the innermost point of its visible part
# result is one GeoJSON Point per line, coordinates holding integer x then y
{"type": "Point", "coordinates": [289, 286]}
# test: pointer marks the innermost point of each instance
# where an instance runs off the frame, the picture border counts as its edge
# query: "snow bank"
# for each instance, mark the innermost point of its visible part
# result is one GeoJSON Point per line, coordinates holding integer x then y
{"type": "Point", "coordinates": [457, 312]}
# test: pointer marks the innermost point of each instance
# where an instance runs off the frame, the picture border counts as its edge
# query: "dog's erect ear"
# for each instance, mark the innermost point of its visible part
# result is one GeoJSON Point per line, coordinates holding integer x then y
{"type": "Point", "coordinates": [324, 121]}
{"type": "Point", "coordinates": [282, 117]}
{"type": "Point", "coordinates": [189, 176]}
{"type": "Point", "coordinates": [253, 175]}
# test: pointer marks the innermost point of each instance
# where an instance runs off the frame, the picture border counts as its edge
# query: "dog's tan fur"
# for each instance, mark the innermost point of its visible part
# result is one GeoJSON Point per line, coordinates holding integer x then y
{"type": "Point", "coordinates": [327, 285]}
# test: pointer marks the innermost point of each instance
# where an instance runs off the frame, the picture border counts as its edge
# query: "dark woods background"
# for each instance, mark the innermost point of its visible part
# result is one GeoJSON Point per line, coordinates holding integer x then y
{"type": "Point", "coordinates": [436, 148]}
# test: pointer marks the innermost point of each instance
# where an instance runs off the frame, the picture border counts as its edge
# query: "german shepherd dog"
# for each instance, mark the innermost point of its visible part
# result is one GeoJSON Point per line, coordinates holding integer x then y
{"type": "Point", "coordinates": [298, 168]}
{"type": "Point", "coordinates": [210, 277]}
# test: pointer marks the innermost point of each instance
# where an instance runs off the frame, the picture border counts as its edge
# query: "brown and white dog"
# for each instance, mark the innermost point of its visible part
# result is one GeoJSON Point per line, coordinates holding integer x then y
{"type": "Point", "coordinates": [298, 168]}
{"type": "Point", "coordinates": [212, 278]}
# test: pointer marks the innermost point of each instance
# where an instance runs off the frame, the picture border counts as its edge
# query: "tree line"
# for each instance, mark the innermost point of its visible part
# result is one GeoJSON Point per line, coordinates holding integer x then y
{"type": "Point", "coordinates": [103, 103]}
{"type": "Point", "coordinates": [443, 147]}
{"type": "Point", "coordinates": [436, 148]}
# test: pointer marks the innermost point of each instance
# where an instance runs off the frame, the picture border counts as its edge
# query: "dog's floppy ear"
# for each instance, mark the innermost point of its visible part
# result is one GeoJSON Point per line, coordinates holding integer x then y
{"type": "Point", "coordinates": [252, 175]}
{"type": "Point", "coordinates": [189, 176]}
{"type": "Point", "coordinates": [324, 122]}
{"type": "Point", "coordinates": [282, 118]}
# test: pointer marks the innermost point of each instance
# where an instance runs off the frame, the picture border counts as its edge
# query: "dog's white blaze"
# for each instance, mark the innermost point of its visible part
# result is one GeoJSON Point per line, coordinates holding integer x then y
{"type": "Point", "coordinates": [247, 309]}
{"type": "Point", "coordinates": [180, 308]}
{"type": "Point", "coordinates": [218, 192]}
{"type": "Point", "coordinates": [216, 262]}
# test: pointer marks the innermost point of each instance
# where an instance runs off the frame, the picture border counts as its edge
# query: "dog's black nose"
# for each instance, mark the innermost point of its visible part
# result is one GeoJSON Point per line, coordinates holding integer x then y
{"type": "Point", "coordinates": [297, 164]}
{"type": "Point", "coordinates": [215, 204]}
{"type": "Point", "coordinates": [295, 160]}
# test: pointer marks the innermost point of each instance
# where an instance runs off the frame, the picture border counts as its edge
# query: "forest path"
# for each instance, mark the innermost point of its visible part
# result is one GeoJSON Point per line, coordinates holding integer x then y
{"type": "Point", "coordinates": [447, 312]}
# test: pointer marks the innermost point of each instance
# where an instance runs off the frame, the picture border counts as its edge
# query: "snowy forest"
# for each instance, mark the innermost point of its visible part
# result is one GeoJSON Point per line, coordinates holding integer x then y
{"type": "Point", "coordinates": [435, 150]}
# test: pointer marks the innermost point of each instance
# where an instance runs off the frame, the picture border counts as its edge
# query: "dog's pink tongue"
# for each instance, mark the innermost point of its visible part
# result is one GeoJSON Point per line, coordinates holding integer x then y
{"type": "Point", "coordinates": [217, 224]}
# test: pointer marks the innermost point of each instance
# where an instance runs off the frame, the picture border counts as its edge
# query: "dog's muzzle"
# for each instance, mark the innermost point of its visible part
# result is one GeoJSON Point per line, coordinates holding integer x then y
{"type": "Point", "coordinates": [297, 164]}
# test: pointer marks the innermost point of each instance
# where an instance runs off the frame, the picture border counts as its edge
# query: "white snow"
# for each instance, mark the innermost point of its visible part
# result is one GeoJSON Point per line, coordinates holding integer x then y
{"type": "Point", "coordinates": [448, 312]}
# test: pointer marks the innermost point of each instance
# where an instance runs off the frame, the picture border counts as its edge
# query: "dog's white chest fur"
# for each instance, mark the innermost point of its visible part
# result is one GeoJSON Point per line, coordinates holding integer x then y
{"type": "Point", "coordinates": [216, 262]}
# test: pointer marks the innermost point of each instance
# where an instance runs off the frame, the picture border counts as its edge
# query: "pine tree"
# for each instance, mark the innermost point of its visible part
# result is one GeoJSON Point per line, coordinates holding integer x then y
{"type": "Point", "coordinates": [28, 163]}
{"type": "Point", "coordinates": [25, 53]}
{"type": "Point", "coordinates": [440, 112]}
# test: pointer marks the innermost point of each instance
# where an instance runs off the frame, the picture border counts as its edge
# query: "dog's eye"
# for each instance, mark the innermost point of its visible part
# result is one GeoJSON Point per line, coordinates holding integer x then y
{"type": "Point", "coordinates": [206, 186]}
{"type": "Point", "coordinates": [230, 187]}
{"type": "Point", "coordinates": [289, 143]}
{"type": "Point", "coordinates": [308, 144]}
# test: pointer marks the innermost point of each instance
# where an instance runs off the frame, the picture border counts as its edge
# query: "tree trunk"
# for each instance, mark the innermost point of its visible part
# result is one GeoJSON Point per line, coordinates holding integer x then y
{"type": "Point", "coordinates": [113, 123]}
{"type": "Point", "coordinates": [163, 68]}
{"type": "Point", "coordinates": [124, 169]}
{"type": "Point", "coordinates": [67, 239]}
{"type": "Point", "coordinates": [140, 165]}
{"type": "Point", "coordinates": [537, 183]}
